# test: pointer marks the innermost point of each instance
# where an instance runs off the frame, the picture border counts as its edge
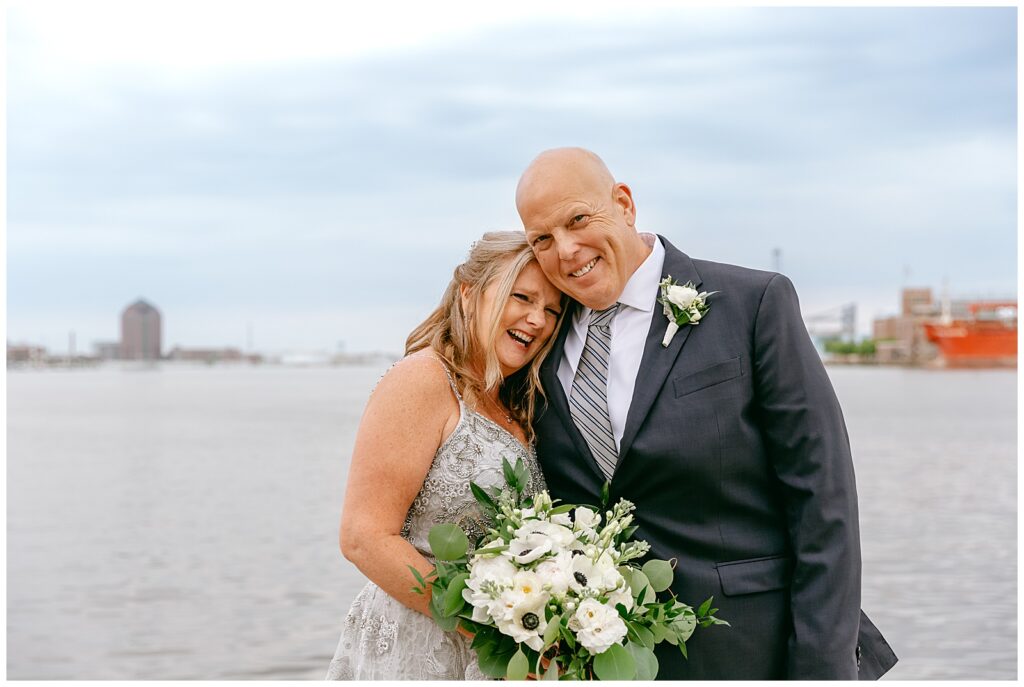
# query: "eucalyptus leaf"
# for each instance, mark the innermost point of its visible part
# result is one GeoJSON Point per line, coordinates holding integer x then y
{"type": "Point", "coordinates": [659, 573]}
{"type": "Point", "coordinates": [684, 625]}
{"type": "Point", "coordinates": [453, 601]}
{"type": "Point", "coordinates": [637, 581]}
{"type": "Point", "coordinates": [448, 542]}
{"type": "Point", "coordinates": [615, 663]}
{"type": "Point", "coordinates": [518, 666]}
{"type": "Point", "coordinates": [646, 661]}
{"type": "Point", "coordinates": [446, 623]}
{"type": "Point", "coordinates": [494, 662]}
{"type": "Point", "coordinates": [643, 635]}
{"type": "Point", "coordinates": [551, 632]}
{"type": "Point", "coordinates": [552, 672]}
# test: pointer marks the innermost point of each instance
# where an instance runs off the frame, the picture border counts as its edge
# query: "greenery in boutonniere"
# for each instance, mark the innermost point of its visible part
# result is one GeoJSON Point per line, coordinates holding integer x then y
{"type": "Point", "coordinates": [682, 305]}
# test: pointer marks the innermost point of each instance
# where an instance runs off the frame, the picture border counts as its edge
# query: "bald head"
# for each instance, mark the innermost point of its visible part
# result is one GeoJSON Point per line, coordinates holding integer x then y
{"type": "Point", "coordinates": [557, 166]}
{"type": "Point", "coordinates": [580, 224]}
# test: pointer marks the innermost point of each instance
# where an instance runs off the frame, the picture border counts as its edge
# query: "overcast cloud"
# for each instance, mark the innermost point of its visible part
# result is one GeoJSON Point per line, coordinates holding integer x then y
{"type": "Point", "coordinates": [325, 195]}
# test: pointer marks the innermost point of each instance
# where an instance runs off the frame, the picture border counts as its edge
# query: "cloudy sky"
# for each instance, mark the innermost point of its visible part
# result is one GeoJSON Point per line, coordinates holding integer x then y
{"type": "Point", "coordinates": [316, 175]}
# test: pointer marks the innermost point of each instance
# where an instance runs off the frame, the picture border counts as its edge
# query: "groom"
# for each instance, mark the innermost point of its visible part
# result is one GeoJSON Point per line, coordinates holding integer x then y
{"type": "Point", "coordinates": [730, 440]}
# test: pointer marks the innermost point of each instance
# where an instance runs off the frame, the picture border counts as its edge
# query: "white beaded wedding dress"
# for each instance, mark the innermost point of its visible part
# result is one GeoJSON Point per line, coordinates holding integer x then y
{"type": "Point", "coordinates": [383, 640]}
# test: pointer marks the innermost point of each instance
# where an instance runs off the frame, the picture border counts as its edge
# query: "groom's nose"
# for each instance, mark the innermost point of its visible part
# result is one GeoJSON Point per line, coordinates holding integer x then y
{"type": "Point", "coordinates": [567, 246]}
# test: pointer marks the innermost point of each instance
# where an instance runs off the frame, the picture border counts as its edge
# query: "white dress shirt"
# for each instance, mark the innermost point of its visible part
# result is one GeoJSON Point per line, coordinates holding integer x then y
{"type": "Point", "coordinates": [629, 329]}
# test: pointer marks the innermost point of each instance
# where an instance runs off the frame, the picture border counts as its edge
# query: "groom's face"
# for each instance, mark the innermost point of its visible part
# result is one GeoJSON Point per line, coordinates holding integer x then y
{"type": "Point", "coordinates": [582, 232]}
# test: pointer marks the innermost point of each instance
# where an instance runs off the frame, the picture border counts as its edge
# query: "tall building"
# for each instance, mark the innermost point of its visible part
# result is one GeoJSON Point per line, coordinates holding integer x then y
{"type": "Point", "coordinates": [140, 332]}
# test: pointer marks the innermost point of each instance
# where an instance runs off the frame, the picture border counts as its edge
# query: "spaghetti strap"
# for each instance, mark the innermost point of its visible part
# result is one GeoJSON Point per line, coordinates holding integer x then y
{"type": "Point", "coordinates": [451, 379]}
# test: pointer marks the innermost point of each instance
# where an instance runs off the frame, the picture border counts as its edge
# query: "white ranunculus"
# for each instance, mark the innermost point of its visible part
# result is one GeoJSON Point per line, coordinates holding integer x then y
{"type": "Point", "coordinates": [556, 572]}
{"type": "Point", "coordinates": [623, 596]}
{"type": "Point", "coordinates": [599, 626]}
{"type": "Point", "coordinates": [496, 569]}
{"type": "Point", "coordinates": [562, 519]}
{"type": "Point", "coordinates": [681, 296]}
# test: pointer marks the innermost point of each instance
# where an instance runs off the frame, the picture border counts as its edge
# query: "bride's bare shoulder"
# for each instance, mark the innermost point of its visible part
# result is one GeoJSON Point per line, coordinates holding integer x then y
{"type": "Point", "coordinates": [419, 378]}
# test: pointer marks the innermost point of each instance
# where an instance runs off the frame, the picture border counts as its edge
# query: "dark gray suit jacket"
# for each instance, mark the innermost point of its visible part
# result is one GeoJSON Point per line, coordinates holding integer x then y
{"type": "Point", "coordinates": [736, 455]}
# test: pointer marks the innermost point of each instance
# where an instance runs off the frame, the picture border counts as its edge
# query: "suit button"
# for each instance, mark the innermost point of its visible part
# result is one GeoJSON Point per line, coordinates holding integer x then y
{"type": "Point", "coordinates": [858, 656]}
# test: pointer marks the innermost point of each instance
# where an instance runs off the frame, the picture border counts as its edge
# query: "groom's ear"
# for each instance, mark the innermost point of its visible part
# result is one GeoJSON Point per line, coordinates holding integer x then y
{"type": "Point", "coordinates": [623, 197]}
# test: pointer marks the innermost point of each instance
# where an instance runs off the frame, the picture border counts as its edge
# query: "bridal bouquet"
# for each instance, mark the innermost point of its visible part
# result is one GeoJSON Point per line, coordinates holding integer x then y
{"type": "Point", "coordinates": [554, 590]}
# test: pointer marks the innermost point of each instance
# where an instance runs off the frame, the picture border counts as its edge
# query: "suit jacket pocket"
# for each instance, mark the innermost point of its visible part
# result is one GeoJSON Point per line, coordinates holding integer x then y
{"type": "Point", "coordinates": [709, 376]}
{"type": "Point", "coordinates": [754, 575]}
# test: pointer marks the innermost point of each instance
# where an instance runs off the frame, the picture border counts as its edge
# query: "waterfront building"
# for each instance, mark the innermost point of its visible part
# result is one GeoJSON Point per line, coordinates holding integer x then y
{"type": "Point", "coordinates": [206, 355]}
{"type": "Point", "coordinates": [140, 332]}
{"type": "Point", "coordinates": [107, 350]}
{"type": "Point", "coordinates": [901, 338]}
{"type": "Point", "coordinates": [25, 354]}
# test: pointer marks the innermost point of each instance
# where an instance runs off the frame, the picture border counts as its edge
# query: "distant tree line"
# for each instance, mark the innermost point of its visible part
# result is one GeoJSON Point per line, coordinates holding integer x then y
{"type": "Point", "coordinates": [839, 347]}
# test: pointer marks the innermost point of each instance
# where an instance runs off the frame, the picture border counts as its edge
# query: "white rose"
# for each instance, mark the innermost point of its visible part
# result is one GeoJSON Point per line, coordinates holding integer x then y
{"type": "Point", "coordinates": [623, 596]}
{"type": "Point", "coordinates": [562, 519]}
{"type": "Point", "coordinates": [600, 626]}
{"type": "Point", "coordinates": [556, 572]}
{"type": "Point", "coordinates": [496, 569]}
{"type": "Point", "coordinates": [681, 296]}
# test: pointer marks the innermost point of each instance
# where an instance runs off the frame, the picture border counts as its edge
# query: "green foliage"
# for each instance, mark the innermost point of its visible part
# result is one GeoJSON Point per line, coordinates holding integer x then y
{"type": "Point", "coordinates": [518, 666]}
{"type": "Point", "coordinates": [867, 347]}
{"type": "Point", "coordinates": [645, 660]}
{"type": "Point", "coordinates": [453, 601]}
{"type": "Point", "coordinates": [448, 542]}
{"type": "Point", "coordinates": [659, 574]}
{"type": "Point", "coordinates": [615, 663]}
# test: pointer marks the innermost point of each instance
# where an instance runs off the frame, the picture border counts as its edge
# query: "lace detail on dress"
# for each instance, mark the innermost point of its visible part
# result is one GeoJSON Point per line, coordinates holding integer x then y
{"type": "Point", "coordinates": [381, 638]}
{"type": "Point", "coordinates": [473, 453]}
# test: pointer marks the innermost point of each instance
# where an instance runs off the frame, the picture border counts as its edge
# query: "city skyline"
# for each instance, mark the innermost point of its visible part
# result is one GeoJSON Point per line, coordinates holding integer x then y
{"type": "Point", "coordinates": [316, 190]}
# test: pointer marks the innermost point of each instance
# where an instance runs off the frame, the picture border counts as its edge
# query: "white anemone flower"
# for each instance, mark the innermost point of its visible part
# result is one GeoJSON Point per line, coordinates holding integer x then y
{"type": "Point", "coordinates": [526, 623]}
{"type": "Point", "coordinates": [528, 547]}
{"type": "Point", "coordinates": [590, 577]}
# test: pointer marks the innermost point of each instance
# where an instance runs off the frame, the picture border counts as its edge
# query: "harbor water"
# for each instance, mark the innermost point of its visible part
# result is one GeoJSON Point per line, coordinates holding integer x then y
{"type": "Point", "coordinates": [181, 522]}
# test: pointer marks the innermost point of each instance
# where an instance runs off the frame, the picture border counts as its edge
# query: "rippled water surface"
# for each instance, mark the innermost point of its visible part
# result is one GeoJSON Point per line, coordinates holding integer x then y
{"type": "Point", "coordinates": [181, 522]}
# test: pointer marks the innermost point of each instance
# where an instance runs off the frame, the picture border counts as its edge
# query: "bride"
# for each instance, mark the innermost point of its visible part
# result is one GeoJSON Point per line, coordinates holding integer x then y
{"type": "Point", "coordinates": [440, 418]}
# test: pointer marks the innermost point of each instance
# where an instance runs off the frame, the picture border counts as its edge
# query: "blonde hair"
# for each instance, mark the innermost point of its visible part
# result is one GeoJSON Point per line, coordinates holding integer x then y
{"type": "Point", "coordinates": [498, 257]}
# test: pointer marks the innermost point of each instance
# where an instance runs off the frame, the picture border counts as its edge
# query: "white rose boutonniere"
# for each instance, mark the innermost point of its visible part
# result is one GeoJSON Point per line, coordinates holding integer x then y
{"type": "Point", "coordinates": [682, 305]}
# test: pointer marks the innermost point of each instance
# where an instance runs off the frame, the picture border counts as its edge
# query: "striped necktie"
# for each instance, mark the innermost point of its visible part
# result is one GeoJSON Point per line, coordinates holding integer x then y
{"type": "Point", "coordinates": [588, 402]}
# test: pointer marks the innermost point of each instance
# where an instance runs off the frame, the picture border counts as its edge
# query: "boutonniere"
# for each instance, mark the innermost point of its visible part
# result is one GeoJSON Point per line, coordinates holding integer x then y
{"type": "Point", "coordinates": [682, 305]}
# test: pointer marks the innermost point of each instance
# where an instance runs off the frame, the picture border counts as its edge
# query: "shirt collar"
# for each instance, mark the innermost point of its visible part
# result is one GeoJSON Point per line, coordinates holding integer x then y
{"type": "Point", "coordinates": [641, 290]}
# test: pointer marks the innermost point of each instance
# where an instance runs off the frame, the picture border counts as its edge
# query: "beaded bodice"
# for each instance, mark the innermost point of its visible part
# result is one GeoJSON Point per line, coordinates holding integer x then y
{"type": "Point", "coordinates": [473, 452]}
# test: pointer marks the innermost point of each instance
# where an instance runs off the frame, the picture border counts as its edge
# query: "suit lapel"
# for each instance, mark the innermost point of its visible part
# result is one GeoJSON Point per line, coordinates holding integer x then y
{"type": "Point", "coordinates": [557, 399]}
{"type": "Point", "coordinates": [657, 360]}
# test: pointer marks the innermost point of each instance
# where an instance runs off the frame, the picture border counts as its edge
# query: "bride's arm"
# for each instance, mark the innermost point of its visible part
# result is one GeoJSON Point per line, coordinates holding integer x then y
{"type": "Point", "coordinates": [408, 415]}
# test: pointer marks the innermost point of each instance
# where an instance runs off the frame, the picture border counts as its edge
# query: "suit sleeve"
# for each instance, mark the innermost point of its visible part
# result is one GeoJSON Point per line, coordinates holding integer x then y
{"type": "Point", "coordinates": [809, 449]}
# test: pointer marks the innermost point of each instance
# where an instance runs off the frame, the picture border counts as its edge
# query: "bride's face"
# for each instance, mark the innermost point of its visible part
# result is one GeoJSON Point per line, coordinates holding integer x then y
{"type": "Point", "coordinates": [527, 320]}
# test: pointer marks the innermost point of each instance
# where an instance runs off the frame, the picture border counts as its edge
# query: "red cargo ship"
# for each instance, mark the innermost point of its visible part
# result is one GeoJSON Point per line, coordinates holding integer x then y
{"type": "Point", "coordinates": [988, 336]}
